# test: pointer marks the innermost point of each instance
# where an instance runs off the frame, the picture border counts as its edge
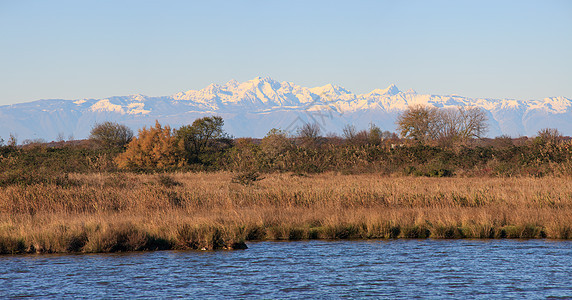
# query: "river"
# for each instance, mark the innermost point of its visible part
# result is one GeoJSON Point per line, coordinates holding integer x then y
{"type": "Point", "coordinates": [306, 269]}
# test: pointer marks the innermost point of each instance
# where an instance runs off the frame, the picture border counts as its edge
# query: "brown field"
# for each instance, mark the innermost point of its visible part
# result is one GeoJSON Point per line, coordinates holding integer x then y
{"type": "Point", "coordinates": [127, 212]}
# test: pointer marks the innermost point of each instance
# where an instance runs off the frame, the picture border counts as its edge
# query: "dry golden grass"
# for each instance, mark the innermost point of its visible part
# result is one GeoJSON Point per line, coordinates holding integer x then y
{"type": "Point", "coordinates": [124, 212]}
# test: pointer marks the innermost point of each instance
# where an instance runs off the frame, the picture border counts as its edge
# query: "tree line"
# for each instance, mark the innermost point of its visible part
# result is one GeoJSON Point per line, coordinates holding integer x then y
{"type": "Point", "coordinates": [430, 142]}
{"type": "Point", "coordinates": [424, 131]}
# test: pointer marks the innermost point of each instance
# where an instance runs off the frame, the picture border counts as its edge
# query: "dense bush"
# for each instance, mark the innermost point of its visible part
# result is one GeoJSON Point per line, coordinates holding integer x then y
{"type": "Point", "coordinates": [44, 164]}
{"type": "Point", "coordinates": [111, 135]}
{"type": "Point", "coordinates": [202, 141]}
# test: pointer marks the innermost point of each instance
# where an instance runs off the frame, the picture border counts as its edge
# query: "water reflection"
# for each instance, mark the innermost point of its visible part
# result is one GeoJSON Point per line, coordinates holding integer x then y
{"type": "Point", "coordinates": [336, 269]}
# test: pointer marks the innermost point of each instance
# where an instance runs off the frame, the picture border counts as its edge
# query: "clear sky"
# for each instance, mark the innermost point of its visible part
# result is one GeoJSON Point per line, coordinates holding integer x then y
{"type": "Point", "coordinates": [94, 49]}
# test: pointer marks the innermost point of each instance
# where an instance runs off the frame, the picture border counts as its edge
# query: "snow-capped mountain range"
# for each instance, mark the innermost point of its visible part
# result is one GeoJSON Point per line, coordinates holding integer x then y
{"type": "Point", "coordinates": [252, 108]}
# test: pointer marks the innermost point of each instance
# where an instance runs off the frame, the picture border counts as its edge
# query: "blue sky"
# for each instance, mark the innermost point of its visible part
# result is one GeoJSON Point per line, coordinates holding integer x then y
{"type": "Point", "coordinates": [94, 49]}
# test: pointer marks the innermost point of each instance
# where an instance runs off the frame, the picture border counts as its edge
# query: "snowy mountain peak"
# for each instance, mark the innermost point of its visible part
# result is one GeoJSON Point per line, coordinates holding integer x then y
{"type": "Point", "coordinates": [213, 87]}
{"type": "Point", "coordinates": [253, 107]}
{"type": "Point", "coordinates": [260, 83]}
{"type": "Point", "coordinates": [258, 80]}
{"type": "Point", "coordinates": [231, 84]}
{"type": "Point", "coordinates": [389, 91]}
{"type": "Point", "coordinates": [330, 90]}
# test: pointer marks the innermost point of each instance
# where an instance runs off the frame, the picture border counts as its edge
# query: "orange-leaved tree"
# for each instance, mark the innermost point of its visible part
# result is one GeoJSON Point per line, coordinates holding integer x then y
{"type": "Point", "coordinates": [154, 148]}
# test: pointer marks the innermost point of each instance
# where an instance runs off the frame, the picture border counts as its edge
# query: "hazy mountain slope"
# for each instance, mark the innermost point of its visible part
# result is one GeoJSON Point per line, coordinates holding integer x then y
{"type": "Point", "coordinates": [253, 107]}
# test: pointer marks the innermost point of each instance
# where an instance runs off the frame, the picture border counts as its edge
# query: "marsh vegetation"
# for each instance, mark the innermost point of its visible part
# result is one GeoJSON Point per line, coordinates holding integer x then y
{"type": "Point", "coordinates": [197, 188]}
{"type": "Point", "coordinates": [121, 212]}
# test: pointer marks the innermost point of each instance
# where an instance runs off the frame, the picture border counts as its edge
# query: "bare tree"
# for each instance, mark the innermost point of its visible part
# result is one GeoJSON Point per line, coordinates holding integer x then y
{"type": "Point", "coordinates": [309, 134]}
{"type": "Point", "coordinates": [349, 132]}
{"type": "Point", "coordinates": [424, 123]}
{"type": "Point", "coordinates": [309, 130]}
{"type": "Point", "coordinates": [60, 138]}
{"type": "Point", "coordinates": [354, 137]}
{"type": "Point", "coordinates": [419, 122]}
{"type": "Point", "coordinates": [461, 123]}
{"type": "Point", "coordinates": [472, 123]}
{"type": "Point", "coordinates": [13, 140]}
{"type": "Point", "coordinates": [549, 135]}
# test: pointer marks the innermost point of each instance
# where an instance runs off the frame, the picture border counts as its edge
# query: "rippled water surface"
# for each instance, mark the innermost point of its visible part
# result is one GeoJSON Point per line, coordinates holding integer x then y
{"type": "Point", "coordinates": [312, 269]}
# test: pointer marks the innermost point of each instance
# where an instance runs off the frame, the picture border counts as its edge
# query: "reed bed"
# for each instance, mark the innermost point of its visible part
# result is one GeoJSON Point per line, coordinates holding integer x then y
{"type": "Point", "coordinates": [104, 212]}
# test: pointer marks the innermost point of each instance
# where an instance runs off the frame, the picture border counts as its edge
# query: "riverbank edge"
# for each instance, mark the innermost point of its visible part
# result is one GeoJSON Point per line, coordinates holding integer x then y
{"type": "Point", "coordinates": [129, 238]}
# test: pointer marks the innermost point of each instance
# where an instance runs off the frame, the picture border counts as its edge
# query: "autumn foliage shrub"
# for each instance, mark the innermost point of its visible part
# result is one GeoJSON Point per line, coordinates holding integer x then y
{"type": "Point", "coordinates": [154, 148]}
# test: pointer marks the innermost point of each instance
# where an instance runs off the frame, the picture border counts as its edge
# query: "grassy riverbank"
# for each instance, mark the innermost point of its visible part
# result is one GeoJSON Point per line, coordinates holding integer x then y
{"type": "Point", "coordinates": [125, 212]}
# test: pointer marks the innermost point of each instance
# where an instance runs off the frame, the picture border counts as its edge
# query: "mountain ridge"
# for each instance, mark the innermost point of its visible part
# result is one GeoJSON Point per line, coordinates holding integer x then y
{"type": "Point", "coordinates": [253, 107]}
